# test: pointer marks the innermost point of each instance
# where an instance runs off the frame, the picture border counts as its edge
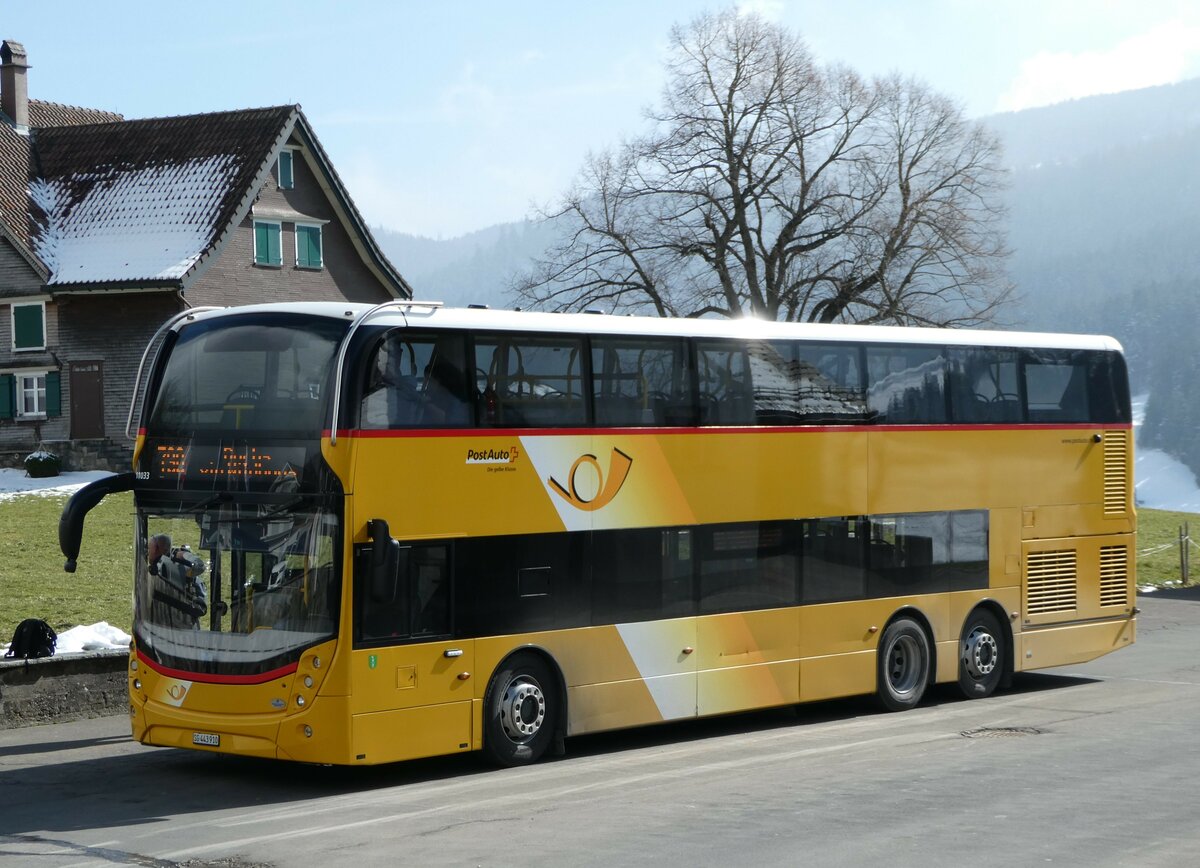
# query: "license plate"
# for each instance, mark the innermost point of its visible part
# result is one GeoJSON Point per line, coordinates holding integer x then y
{"type": "Point", "coordinates": [209, 739]}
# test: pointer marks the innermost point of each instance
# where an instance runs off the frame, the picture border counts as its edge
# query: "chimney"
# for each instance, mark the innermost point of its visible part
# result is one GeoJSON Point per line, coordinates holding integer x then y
{"type": "Point", "coordinates": [14, 90]}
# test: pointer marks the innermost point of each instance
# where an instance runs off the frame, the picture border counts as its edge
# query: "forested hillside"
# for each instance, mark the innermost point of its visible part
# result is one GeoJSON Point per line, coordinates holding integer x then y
{"type": "Point", "coordinates": [1104, 226]}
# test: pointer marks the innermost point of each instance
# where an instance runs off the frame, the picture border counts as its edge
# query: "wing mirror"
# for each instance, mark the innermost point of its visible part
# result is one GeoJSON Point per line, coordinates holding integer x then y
{"type": "Point", "coordinates": [388, 562]}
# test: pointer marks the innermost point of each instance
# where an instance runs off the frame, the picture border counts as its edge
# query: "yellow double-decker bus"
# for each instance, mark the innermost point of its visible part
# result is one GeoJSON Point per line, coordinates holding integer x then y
{"type": "Point", "coordinates": [374, 534]}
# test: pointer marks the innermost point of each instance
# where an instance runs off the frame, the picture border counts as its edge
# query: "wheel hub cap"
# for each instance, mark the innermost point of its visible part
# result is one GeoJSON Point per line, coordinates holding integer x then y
{"type": "Point", "coordinates": [902, 665]}
{"type": "Point", "coordinates": [980, 653]}
{"type": "Point", "coordinates": [522, 709]}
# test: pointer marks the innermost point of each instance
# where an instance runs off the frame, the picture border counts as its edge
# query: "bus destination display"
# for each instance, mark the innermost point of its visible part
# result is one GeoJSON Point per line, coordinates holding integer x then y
{"type": "Point", "coordinates": [242, 462]}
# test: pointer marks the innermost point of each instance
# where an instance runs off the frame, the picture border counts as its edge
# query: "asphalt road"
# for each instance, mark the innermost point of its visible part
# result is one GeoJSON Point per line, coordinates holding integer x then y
{"type": "Point", "coordinates": [1092, 765]}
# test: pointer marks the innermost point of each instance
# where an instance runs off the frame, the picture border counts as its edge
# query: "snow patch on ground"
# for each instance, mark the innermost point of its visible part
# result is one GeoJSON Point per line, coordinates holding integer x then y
{"type": "Point", "coordinates": [1161, 481]}
{"type": "Point", "coordinates": [91, 637]}
{"type": "Point", "coordinates": [14, 483]}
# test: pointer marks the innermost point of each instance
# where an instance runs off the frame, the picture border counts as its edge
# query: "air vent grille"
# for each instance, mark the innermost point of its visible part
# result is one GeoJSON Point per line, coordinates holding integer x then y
{"type": "Point", "coordinates": [1114, 575]}
{"type": "Point", "coordinates": [1116, 477]}
{"type": "Point", "coordinates": [1050, 584]}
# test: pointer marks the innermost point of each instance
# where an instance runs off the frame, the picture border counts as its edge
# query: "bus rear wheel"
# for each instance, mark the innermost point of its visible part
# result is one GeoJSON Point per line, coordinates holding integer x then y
{"type": "Point", "coordinates": [520, 711]}
{"type": "Point", "coordinates": [902, 665]}
{"type": "Point", "coordinates": [981, 655]}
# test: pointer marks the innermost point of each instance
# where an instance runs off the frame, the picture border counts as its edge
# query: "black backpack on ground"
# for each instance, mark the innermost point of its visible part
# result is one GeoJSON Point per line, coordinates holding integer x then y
{"type": "Point", "coordinates": [32, 638]}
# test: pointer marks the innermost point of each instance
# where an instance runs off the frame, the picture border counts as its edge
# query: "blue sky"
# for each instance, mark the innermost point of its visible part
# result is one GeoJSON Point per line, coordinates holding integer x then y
{"type": "Point", "coordinates": [445, 118]}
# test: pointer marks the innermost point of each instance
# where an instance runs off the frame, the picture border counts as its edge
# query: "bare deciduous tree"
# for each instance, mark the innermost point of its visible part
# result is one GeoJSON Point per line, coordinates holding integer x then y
{"type": "Point", "coordinates": [770, 186]}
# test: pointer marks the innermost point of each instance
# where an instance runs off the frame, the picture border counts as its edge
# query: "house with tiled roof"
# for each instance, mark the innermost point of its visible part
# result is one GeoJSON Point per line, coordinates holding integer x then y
{"type": "Point", "coordinates": [108, 226]}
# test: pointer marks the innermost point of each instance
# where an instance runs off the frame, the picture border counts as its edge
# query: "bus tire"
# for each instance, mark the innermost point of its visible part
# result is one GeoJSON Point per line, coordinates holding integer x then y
{"type": "Point", "coordinates": [520, 711]}
{"type": "Point", "coordinates": [902, 665]}
{"type": "Point", "coordinates": [982, 655]}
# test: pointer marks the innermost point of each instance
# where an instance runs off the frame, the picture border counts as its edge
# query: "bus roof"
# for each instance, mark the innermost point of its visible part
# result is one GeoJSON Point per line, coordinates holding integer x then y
{"type": "Point", "coordinates": [432, 315]}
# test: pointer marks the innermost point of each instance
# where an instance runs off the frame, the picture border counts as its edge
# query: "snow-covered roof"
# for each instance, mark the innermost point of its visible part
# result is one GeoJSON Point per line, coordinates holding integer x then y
{"type": "Point", "coordinates": [142, 201]}
{"type": "Point", "coordinates": [97, 202]}
{"type": "Point", "coordinates": [15, 163]}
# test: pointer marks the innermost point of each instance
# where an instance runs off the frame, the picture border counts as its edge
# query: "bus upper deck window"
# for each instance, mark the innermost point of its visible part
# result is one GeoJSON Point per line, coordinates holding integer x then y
{"type": "Point", "coordinates": [416, 381]}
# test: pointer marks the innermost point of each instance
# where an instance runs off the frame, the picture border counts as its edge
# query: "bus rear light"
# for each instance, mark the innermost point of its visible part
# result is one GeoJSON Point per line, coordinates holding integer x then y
{"type": "Point", "coordinates": [307, 731]}
{"type": "Point", "coordinates": [308, 682]}
{"type": "Point", "coordinates": [316, 663]}
{"type": "Point", "coordinates": [300, 701]}
{"type": "Point", "coordinates": [137, 684]}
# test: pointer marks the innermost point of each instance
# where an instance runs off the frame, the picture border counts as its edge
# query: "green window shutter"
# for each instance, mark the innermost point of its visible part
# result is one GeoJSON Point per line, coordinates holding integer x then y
{"type": "Point", "coordinates": [266, 244]}
{"type": "Point", "coordinates": [260, 243]}
{"type": "Point", "coordinates": [308, 246]}
{"type": "Point", "coordinates": [7, 400]}
{"type": "Point", "coordinates": [53, 393]}
{"type": "Point", "coordinates": [287, 179]}
{"type": "Point", "coordinates": [27, 327]}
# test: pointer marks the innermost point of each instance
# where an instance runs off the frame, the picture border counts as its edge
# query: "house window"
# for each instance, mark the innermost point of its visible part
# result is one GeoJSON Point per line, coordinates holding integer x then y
{"type": "Point", "coordinates": [287, 177]}
{"type": "Point", "coordinates": [31, 395]}
{"type": "Point", "coordinates": [267, 247]}
{"type": "Point", "coordinates": [29, 326]}
{"type": "Point", "coordinates": [308, 246]}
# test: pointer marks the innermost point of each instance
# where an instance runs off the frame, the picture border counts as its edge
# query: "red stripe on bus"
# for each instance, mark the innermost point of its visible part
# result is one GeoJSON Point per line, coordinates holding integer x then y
{"type": "Point", "coordinates": [732, 429]}
{"type": "Point", "coordinates": [209, 678]}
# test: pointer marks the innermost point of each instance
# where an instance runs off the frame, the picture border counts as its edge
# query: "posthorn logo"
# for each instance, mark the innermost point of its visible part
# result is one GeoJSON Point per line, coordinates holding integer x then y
{"type": "Point", "coordinates": [607, 485]}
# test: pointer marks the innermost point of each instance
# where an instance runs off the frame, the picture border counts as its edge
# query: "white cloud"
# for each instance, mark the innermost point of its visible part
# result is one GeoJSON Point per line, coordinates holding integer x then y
{"type": "Point", "coordinates": [1161, 55]}
{"type": "Point", "coordinates": [771, 10]}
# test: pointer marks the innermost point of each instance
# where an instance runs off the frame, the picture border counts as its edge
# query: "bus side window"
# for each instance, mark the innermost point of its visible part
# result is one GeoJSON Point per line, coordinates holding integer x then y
{"type": "Point", "coordinates": [773, 372]}
{"type": "Point", "coordinates": [640, 381]}
{"type": "Point", "coordinates": [530, 381]}
{"type": "Point", "coordinates": [829, 383]}
{"type": "Point", "coordinates": [833, 559]}
{"type": "Point", "coordinates": [1056, 385]}
{"type": "Point", "coordinates": [984, 385]}
{"type": "Point", "coordinates": [420, 605]}
{"type": "Point", "coordinates": [907, 385]}
{"type": "Point", "coordinates": [641, 574]}
{"type": "Point", "coordinates": [927, 553]}
{"type": "Point", "coordinates": [748, 566]}
{"type": "Point", "coordinates": [416, 381]}
{"type": "Point", "coordinates": [723, 377]}
{"type": "Point", "coordinates": [430, 591]}
{"type": "Point", "coordinates": [1108, 388]}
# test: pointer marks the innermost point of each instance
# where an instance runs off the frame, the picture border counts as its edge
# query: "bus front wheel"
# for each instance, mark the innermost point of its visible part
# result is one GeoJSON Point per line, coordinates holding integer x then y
{"type": "Point", "coordinates": [520, 711]}
{"type": "Point", "coordinates": [981, 655]}
{"type": "Point", "coordinates": [902, 665]}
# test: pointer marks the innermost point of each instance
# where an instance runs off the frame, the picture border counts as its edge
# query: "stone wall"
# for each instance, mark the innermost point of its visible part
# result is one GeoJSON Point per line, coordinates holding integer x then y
{"type": "Point", "coordinates": [62, 688]}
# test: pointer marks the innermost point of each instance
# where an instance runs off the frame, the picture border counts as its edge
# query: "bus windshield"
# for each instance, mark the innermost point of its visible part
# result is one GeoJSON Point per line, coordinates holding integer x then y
{"type": "Point", "coordinates": [235, 588]}
{"type": "Point", "coordinates": [252, 373]}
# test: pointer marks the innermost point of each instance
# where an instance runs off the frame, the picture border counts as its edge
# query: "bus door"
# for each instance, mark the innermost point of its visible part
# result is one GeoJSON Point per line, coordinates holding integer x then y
{"type": "Point", "coordinates": [412, 688]}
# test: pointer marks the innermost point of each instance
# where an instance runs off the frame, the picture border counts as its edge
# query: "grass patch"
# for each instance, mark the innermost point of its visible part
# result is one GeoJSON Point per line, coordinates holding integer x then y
{"type": "Point", "coordinates": [32, 581]}
{"type": "Point", "coordinates": [1158, 537]}
{"type": "Point", "coordinates": [33, 584]}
